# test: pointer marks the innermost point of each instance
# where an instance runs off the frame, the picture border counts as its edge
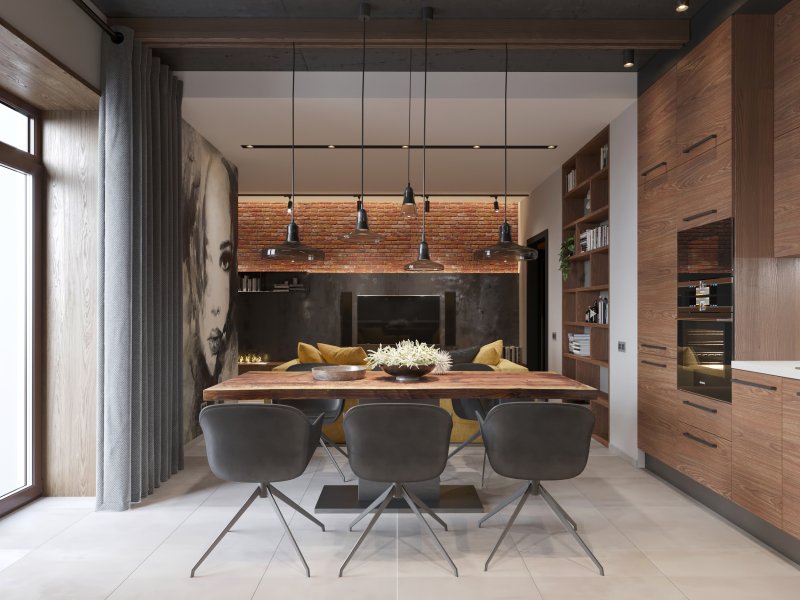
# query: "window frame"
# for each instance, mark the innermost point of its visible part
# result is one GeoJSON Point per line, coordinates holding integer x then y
{"type": "Point", "coordinates": [32, 165]}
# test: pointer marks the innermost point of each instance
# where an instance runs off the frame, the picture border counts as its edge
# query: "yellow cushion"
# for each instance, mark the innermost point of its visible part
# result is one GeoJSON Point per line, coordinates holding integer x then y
{"type": "Point", "coordinates": [306, 353]}
{"type": "Point", "coordinates": [285, 366]}
{"type": "Point", "coordinates": [490, 354]}
{"type": "Point", "coordinates": [509, 367]}
{"type": "Point", "coordinates": [354, 355]}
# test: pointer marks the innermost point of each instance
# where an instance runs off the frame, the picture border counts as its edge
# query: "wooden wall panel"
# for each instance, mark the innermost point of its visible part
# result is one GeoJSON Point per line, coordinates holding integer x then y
{"type": "Point", "coordinates": [787, 68]}
{"type": "Point", "coordinates": [70, 158]}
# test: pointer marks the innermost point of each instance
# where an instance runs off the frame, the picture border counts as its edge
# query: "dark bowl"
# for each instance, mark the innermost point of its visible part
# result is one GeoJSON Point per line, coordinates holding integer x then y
{"type": "Point", "coordinates": [403, 373]}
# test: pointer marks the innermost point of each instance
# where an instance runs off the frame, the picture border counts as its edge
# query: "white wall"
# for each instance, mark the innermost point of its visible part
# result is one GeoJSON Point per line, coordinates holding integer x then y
{"type": "Point", "coordinates": [62, 30]}
{"type": "Point", "coordinates": [623, 295]}
{"type": "Point", "coordinates": [542, 210]}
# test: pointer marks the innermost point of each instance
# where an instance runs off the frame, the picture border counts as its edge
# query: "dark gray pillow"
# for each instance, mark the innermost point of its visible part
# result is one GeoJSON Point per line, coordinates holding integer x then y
{"type": "Point", "coordinates": [464, 355]}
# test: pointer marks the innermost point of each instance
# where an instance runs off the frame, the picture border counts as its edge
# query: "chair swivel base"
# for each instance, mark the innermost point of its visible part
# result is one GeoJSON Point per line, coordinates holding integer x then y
{"type": "Point", "coordinates": [266, 490]}
{"type": "Point", "coordinates": [533, 488]}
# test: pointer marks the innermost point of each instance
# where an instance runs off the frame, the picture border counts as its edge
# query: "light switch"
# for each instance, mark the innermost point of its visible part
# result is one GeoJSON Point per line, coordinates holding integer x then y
{"type": "Point", "coordinates": [554, 335]}
{"type": "Point", "coordinates": [621, 346]}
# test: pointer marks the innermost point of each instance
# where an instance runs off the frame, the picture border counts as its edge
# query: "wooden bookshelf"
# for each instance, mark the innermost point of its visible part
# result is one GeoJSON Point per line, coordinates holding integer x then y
{"type": "Point", "coordinates": [585, 206]}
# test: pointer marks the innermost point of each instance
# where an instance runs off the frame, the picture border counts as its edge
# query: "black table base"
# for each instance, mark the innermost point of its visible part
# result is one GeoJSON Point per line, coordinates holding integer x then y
{"type": "Point", "coordinates": [452, 499]}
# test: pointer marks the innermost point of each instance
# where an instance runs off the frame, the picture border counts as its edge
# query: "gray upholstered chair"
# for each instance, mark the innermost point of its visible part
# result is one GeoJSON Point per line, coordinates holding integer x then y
{"type": "Point", "coordinates": [329, 409]}
{"type": "Point", "coordinates": [398, 444]}
{"type": "Point", "coordinates": [471, 409]}
{"type": "Point", "coordinates": [263, 444]}
{"type": "Point", "coordinates": [537, 441]}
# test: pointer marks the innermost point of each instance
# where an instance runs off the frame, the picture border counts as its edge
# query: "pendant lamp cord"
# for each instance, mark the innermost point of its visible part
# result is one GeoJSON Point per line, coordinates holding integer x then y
{"type": "Point", "coordinates": [424, 125]}
{"type": "Point", "coordinates": [363, 79]}
{"type": "Point", "coordinates": [505, 144]}
{"type": "Point", "coordinates": [294, 59]}
{"type": "Point", "coordinates": [410, 66]}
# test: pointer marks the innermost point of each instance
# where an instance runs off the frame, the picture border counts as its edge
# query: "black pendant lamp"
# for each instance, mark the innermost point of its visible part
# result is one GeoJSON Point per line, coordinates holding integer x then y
{"type": "Point", "coordinates": [292, 249]}
{"type": "Point", "coordinates": [424, 264]}
{"type": "Point", "coordinates": [505, 250]}
{"type": "Point", "coordinates": [409, 207]}
{"type": "Point", "coordinates": [362, 233]}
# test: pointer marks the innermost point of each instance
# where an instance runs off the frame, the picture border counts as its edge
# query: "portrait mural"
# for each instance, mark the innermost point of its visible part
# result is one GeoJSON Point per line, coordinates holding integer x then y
{"type": "Point", "coordinates": [210, 278]}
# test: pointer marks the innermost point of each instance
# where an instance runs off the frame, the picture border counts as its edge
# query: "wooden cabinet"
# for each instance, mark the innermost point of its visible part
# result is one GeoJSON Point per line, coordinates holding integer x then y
{"type": "Point", "coordinates": [704, 457]}
{"type": "Point", "coordinates": [656, 127]}
{"type": "Point", "coordinates": [787, 69]}
{"type": "Point", "coordinates": [704, 94]}
{"type": "Point", "coordinates": [758, 445]}
{"type": "Point", "coordinates": [657, 415]}
{"type": "Point", "coordinates": [791, 456]}
{"type": "Point", "coordinates": [787, 194]}
{"type": "Point", "coordinates": [705, 414]}
{"type": "Point", "coordinates": [704, 187]}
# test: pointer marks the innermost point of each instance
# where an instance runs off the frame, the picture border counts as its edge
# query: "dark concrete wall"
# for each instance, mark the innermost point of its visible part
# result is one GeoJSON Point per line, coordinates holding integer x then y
{"type": "Point", "coordinates": [487, 308]}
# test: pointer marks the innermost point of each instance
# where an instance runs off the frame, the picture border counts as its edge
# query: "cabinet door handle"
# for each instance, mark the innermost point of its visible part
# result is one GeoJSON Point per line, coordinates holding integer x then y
{"type": "Point", "coordinates": [699, 143]}
{"type": "Point", "coordinates": [700, 407]}
{"type": "Point", "coordinates": [656, 346]}
{"type": "Point", "coordinates": [760, 386]}
{"type": "Point", "coordinates": [654, 364]}
{"type": "Point", "coordinates": [700, 215]}
{"type": "Point", "coordinates": [699, 440]}
{"type": "Point", "coordinates": [647, 172]}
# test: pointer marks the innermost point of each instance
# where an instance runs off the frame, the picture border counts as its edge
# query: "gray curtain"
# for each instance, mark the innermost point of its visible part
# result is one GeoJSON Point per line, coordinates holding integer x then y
{"type": "Point", "coordinates": [139, 408]}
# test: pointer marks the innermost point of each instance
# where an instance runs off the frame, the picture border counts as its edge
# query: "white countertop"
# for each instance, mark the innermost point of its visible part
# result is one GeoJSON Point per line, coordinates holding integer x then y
{"type": "Point", "coordinates": [777, 368]}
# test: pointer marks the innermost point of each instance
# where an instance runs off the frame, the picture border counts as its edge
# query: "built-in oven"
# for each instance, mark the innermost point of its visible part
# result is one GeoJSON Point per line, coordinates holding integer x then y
{"type": "Point", "coordinates": [705, 310]}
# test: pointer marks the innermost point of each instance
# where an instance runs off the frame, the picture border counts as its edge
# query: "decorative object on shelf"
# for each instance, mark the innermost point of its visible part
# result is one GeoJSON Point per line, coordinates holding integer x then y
{"type": "Point", "coordinates": [424, 263]}
{"type": "Point", "coordinates": [505, 249]}
{"type": "Point", "coordinates": [339, 373]}
{"type": "Point", "coordinates": [587, 202]}
{"type": "Point", "coordinates": [409, 207]}
{"type": "Point", "coordinates": [604, 157]}
{"type": "Point", "coordinates": [410, 360]}
{"type": "Point", "coordinates": [362, 232]}
{"type": "Point", "coordinates": [567, 251]}
{"type": "Point", "coordinates": [250, 358]}
{"type": "Point", "coordinates": [292, 249]}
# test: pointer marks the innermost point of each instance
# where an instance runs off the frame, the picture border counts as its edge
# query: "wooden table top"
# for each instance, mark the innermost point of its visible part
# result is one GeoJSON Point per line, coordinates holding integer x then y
{"type": "Point", "coordinates": [260, 385]}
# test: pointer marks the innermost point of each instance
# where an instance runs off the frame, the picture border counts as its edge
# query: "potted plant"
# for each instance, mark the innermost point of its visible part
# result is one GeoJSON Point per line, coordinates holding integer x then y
{"type": "Point", "coordinates": [410, 360]}
{"type": "Point", "coordinates": [567, 250]}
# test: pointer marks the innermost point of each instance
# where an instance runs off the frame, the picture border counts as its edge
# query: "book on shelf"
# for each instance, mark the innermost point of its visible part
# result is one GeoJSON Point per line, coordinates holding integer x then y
{"type": "Point", "coordinates": [579, 344]}
{"type": "Point", "coordinates": [571, 180]}
{"type": "Point", "coordinates": [594, 238]}
{"type": "Point", "coordinates": [598, 312]}
{"type": "Point", "coordinates": [603, 156]}
{"type": "Point", "coordinates": [512, 353]}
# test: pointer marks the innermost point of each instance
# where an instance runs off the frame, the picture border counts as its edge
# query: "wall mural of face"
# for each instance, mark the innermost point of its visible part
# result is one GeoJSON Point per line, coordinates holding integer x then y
{"type": "Point", "coordinates": [210, 279]}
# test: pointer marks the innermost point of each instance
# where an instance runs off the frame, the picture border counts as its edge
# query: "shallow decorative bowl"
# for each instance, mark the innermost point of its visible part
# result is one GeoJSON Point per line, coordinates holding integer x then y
{"type": "Point", "coordinates": [339, 373]}
{"type": "Point", "coordinates": [405, 374]}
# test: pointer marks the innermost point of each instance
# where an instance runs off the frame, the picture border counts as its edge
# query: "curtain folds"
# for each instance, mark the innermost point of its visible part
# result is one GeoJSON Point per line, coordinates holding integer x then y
{"type": "Point", "coordinates": [139, 407]}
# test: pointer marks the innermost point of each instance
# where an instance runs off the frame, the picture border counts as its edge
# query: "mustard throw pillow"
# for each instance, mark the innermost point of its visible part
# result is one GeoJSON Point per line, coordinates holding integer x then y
{"type": "Point", "coordinates": [490, 354]}
{"type": "Point", "coordinates": [285, 366]}
{"type": "Point", "coordinates": [342, 356]}
{"type": "Point", "coordinates": [306, 353]}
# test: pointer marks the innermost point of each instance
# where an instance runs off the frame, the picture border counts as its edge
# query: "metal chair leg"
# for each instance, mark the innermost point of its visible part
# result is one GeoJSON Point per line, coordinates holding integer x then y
{"type": "Point", "coordinates": [555, 505]}
{"type": "Point", "coordinates": [232, 522]}
{"type": "Point", "coordinates": [279, 494]}
{"type": "Point", "coordinates": [505, 502]}
{"type": "Point", "coordinates": [483, 470]}
{"type": "Point", "coordinates": [413, 507]}
{"type": "Point", "coordinates": [513, 518]}
{"type": "Point", "coordinates": [335, 464]}
{"type": "Point", "coordinates": [566, 521]}
{"type": "Point", "coordinates": [370, 508]}
{"type": "Point", "coordinates": [271, 496]}
{"type": "Point", "coordinates": [425, 507]}
{"type": "Point", "coordinates": [378, 513]}
{"type": "Point", "coordinates": [335, 445]}
{"type": "Point", "coordinates": [464, 444]}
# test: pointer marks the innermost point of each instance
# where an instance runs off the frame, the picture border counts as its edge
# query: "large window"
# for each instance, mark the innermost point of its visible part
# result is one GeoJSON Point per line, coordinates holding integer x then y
{"type": "Point", "coordinates": [20, 429]}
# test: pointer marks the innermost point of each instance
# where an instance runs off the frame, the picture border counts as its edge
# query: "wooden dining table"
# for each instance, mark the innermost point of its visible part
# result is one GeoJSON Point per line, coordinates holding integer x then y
{"type": "Point", "coordinates": [378, 386]}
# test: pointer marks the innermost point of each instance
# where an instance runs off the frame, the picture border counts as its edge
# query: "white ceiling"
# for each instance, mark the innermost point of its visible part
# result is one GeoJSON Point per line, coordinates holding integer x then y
{"type": "Point", "coordinates": [565, 109]}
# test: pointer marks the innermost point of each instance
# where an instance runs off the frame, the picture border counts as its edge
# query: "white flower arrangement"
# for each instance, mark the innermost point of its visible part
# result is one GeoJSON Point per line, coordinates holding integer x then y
{"type": "Point", "coordinates": [410, 354]}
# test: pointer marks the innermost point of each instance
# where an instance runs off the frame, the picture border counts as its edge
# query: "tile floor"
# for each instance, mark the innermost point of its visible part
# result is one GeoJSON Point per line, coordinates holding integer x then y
{"type": "Point", "coordinates": [653, 541]}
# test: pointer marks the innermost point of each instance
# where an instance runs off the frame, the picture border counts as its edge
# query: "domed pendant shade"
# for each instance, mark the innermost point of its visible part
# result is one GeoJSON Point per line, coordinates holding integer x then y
{"type": "Point", "coordinates": [292, 249]}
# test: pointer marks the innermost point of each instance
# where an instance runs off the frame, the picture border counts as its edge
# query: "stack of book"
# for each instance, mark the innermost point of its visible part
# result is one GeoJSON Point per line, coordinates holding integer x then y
{"type": "Point", "coordinates": [595, 238]}
{"type": "Point", "coordinates": [571, 180]}
{"type": "Point", "coordinates": [512, 353]}
{"type": "Point", "coordinates": [249, 283]}
{"type": "Point", "coordinates": [579, 344]}
{"type": "Point", "coordinates": [604, 157]}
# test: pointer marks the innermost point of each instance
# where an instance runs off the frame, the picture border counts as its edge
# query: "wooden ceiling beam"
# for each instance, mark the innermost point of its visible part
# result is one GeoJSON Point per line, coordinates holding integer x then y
{"type": "Point", "coordinates": [404, 33]}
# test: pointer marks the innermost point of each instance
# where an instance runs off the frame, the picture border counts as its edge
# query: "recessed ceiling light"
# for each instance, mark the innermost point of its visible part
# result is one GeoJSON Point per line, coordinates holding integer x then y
{"type": "Point", "coordinates": [551, 147]}
{"type": "Point", "coordinates": [248, 145]}
{"type": "Point", "coordinates": [331, 146]}
{"type": "Point", "coordinates": [681, 6]}
{"type": "Point", "coordinates": [476, 147]}
{"type": "Point", "coordinates": [404, 146]}
{"type": "Point", "coordinates": [627, 59]}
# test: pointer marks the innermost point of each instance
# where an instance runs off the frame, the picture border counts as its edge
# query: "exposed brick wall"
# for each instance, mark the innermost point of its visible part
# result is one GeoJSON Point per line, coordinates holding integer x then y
{"type": "Point", "coordinates": [454, 231]}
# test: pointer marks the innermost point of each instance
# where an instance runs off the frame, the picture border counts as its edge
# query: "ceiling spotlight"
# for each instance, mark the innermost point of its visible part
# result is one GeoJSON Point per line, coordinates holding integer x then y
{"type": "Point", "coordinates": [289, 207]}
{"type": "Point", "coordinates": [551, 147]}
{"type": "Point", "coordinates": [496, 205]}
{"type": "Point", "coordinates": [476, 147]}
{"type": "Point", "coordinates": [248, 145]}
{"type": "Point", "coordinates": [427, 204]}
{"type": "Point", "coordinates": [331, 146]}
{"type": "Point", "coordinates": [404, 146]}
{"type": "Point", "coordinates": [627, 59]}
{"type": "Point", "coordinates": [681, 6]}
